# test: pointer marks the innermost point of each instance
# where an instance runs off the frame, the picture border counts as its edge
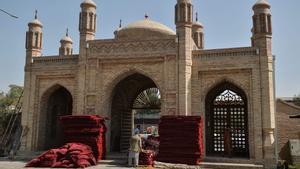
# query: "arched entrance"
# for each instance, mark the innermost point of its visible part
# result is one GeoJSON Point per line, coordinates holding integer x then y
{"type": "Point", "coordinates": [227, 122]}
{"type": "Point", "coordinates": [57, 102]}
{"type": "Point", "coordinates": [130, 98]}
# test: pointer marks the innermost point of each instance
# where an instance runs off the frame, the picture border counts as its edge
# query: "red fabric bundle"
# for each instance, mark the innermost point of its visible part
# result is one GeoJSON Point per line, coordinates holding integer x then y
{"type": "Point", "coordinates": [83, 119]}
{"type": "Point", "coordinates": [152, 143]}
{"type": "Point", "coordinates": [181, 140]}
{"type": "Point", "coordinates": [72, 155]}
{"type": "Point", "coordinates": [146, 158]}
{"type": "Point", "coordinates": [86, 129]}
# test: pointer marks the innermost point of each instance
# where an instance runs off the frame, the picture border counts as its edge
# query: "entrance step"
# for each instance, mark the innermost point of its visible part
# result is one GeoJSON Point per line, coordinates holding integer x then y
{"type": "Point", "coordinates": [115, 159]}
{"type": "Point", "coordinates": [126, 130]}
{"type": "Point", "coordinates": [207, 165]}
{"type": "Point", "coordinates": [116, 156]}
{"type": "Point", "coordinates": [25, 155]}
{"type": "Point", "coordinates": [230, 166]}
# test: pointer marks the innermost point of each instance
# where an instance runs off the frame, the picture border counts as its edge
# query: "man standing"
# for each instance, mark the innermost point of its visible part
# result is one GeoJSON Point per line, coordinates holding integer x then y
{"type": "Point", "coordinates": [135, 149]}
{"type": "Point", "coordinates": [227, 142]}
{"type": "Point", "coordinates": [137, 129]}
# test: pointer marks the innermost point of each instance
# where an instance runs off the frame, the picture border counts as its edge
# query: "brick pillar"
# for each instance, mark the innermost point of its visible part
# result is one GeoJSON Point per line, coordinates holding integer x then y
{"type": "Point", "coordinates": [262, 40]}
{"type": "Point", "coordinates": [183, 20]}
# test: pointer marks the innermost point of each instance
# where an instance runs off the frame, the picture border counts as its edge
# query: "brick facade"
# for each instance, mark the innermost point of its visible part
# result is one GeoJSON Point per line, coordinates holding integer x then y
{"type": "Point", "coordinates": [183, 73]}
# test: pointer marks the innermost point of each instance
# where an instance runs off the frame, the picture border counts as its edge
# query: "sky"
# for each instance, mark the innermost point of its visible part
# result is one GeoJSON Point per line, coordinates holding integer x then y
{"type": "Point", "coordinates": [227, 24]}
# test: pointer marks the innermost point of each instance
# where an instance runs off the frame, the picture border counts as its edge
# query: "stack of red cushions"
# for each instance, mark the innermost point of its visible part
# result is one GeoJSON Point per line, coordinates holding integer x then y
{"type": "Point", "coordinates": [152, 143]}
{"type": "Point", "coordinates": [181, 140]}
{"type": "Point", "coordinates": [72, 155]}
{"type": "Point", "coordinates": [146, 158]}
{"type": "Point", "coordinates": [86, 129]}
{"type": "Point", "coordinates": [150, 147]}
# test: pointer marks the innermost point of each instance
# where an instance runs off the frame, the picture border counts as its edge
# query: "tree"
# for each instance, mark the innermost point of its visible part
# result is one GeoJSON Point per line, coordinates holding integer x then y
{"type": "Point", "coordinates": [1, 94]}
{"type": "Point", "coordinates": [8, 103]}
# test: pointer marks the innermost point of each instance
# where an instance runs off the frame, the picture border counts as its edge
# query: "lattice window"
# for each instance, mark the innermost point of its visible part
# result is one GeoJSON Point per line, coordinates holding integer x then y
{"type": "Point", "coordinates": [229, 113]}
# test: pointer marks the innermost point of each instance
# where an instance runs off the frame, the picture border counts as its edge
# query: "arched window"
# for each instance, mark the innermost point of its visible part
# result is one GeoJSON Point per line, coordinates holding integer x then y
{"type": "Point", "coordinates": [36, 39]}
{"type": "Point", "coordinates": [91, 19]}
{"type": "Point", "coordinates": [269, 24]}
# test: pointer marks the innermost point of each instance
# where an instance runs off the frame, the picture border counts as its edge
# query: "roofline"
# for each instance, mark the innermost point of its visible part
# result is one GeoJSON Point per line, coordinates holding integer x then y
{"type": "Point", "coordinates": [289, 104]}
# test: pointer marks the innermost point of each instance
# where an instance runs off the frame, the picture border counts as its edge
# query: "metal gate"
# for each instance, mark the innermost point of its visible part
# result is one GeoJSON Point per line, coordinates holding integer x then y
{"type": "Point", "coordinates": [227, 112]}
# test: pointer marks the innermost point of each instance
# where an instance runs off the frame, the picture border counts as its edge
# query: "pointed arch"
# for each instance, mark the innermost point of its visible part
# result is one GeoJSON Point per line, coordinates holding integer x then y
{"type": "Point", "coordinates": [56, 101]}
{"type": "Point", "coordinates": [122, 75]}
{"type": "Point", "coordinates": [226, 117]}
{"type": "Point", "coordinates": [118, 77]}
{"type": "Point", "coordinates": [223, 85]}
{"type": "Point", "coordinates": [125, 89]}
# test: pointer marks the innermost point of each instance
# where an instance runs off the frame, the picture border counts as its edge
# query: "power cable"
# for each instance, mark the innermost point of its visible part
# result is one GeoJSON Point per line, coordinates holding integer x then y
{"type": "Point", "coordinates": [11, 15]}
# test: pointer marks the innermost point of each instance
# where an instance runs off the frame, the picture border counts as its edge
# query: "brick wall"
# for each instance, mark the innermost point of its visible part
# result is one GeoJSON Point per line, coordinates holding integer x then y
{"type": "Point", "coordinates": [288, 128]}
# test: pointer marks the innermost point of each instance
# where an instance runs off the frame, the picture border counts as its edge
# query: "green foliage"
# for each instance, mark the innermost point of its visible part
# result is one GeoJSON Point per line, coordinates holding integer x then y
{"type": "Point", "coordinates": [8, 103]}
{"type": "Point", "coordinates": [9, 100]}
{"type": "Point", "coordinates": [296, 100]}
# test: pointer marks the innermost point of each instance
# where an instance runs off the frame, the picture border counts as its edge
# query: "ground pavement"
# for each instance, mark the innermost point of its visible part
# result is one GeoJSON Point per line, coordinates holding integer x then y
{"type": "Point", "coordinates": [107, 164]}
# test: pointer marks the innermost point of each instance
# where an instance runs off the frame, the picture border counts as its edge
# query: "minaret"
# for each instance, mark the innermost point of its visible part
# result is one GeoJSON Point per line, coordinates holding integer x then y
{"type": "Point", "coordinates": [87, 22]}
{"type": "Point", "coordinates": [33, 49]}
{"type": "Point", "coordinates": [66, 45]}
{"type": "Point", "coordinates": [33, 39]}
{"type": "Point", "coordinates": [198, 33]}
{"type": "Point", "coordinates": [262, 40]}
{"type": "Point", "coordinates": [262, 24]}
{"type": "Point", "coordinates": [184, 21]}
{"type": "Point", "coordinates": [87, 29]}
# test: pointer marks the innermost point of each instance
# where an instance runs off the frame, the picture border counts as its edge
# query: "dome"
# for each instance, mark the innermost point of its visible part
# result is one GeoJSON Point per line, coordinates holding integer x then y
{"type": "Point", "coordinates": [66, 39]}
{"type": "Point", "coordinates": [89, 2]}
{"type": "Point", "coordinates": [145, 28]}
{"type": "Point", "coordinates": [262, 3]}
{"type": "Point", "coordinates": [35, 22]}
{"type": "Point", "coordinates": [197, 24]}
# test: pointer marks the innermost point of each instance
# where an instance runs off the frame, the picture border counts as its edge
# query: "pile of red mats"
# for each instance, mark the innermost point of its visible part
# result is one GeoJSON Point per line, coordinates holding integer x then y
{"type": "Point", "coordinates": [150, 147]}
{"type": "Point", "coordinates": [72, 155]}
{"type": "Point", "coordinates": [146, 157]}
{"type": "Point", "coordinates": [86, 129]}
{"type": "Point", "coordinates": [181, 140]}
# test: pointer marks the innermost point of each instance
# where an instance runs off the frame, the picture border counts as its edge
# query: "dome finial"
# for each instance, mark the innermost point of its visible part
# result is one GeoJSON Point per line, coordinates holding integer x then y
{"type": "Point", "coordinates": [196, 16]}
{"type": "Point", "coordinates": [120, 24]}
{"type": "Point", "coordinates": [67, 32]}
{"type": "Point", "coordinates": [146, 16]}
{"type": "Point", "coordinates": [35, 14]}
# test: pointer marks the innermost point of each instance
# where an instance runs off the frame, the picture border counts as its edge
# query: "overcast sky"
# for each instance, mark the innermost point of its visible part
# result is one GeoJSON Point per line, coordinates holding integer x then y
{"type": "Point", "coordinates": [227, 24]}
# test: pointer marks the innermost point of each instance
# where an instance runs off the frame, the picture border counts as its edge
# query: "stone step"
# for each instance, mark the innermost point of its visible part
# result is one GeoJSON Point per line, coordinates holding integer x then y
{"type": "Point", "coordinates": [126, 130]}
{"type": "Point", "coordinates": [116, 156]}
{"type": "Point", "coordinates": [120, 163]}
{"type": "Point", "coordinates": [207, 165]}
{"type": "Point", "coordinates": [25, 155]}
{"type": "Point", "coordinates": [127, 122]}
{"type": "Point", "coordinates": [230, 166]}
